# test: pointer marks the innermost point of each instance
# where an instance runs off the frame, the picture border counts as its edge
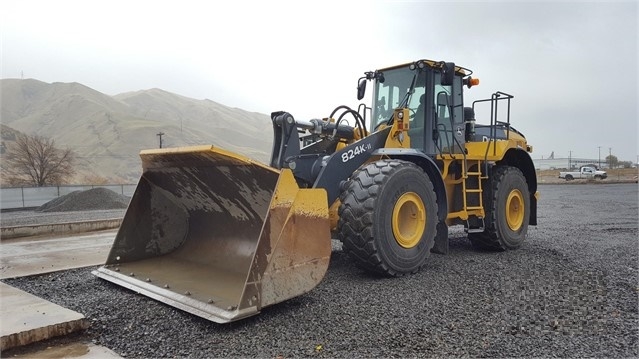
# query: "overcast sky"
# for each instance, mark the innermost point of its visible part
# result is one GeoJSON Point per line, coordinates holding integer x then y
{"type": "Point", "coordinates": [571, 66]}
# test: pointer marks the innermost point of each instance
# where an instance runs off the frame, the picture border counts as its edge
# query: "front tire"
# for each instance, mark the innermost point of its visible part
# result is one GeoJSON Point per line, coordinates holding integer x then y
{"type": "Point", "coordinates": [388, 217]}
{"type": "Point", "coordinates": [507, 204]}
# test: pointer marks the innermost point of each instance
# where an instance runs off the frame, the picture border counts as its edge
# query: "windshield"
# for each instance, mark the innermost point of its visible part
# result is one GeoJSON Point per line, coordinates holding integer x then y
{"type": "Point", "coordinates": [393, 91]}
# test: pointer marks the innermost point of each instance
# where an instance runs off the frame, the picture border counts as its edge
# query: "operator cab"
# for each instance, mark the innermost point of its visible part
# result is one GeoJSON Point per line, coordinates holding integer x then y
{"type": "Point", "coordinates": [432, 92]}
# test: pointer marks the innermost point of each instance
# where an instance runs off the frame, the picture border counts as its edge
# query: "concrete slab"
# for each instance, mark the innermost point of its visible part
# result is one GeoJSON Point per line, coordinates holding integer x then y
{"type": "Point", "coordinates": [27, 319]}
{"type": "Point", "coordinates": [59, 228]}
{"type": "Point", "coordinates": [24, 257]}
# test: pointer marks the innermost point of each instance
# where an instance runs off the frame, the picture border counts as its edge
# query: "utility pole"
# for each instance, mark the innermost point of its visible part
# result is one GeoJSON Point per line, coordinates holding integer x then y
{"type": "Point", "coordinates": [599, 157]}
{"type": "Point", "coordinates": [160, 135]}
{"type": "Point", "coordinates": [569, 160]}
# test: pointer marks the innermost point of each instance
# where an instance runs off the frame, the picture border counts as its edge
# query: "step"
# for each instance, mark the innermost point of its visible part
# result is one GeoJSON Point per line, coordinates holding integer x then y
{"type": "Point", "coordinates": [28, 319]}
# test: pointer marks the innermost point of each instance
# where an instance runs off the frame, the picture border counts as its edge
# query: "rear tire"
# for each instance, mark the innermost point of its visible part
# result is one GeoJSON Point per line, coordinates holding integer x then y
{"type": "Point", "coordinates": [388, 217]}
{"type": "Point", "coordinates": [507, 206]}
{"type": "Point", "coordinates": [569, 178]}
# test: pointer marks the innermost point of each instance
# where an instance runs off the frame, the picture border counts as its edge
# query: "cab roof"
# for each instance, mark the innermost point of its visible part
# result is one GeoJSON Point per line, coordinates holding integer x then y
{"type": "Point", "coordinates": [430, 63]}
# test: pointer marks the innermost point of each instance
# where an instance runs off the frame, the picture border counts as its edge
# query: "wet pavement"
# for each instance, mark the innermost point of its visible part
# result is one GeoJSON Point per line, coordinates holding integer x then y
{"type": "Point", "coordinates": [29, 256]}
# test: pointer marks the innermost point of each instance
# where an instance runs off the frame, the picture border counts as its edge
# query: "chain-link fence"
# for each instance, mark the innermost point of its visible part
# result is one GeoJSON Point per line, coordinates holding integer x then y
{"type": "Point", "coordinates": [27, 197]}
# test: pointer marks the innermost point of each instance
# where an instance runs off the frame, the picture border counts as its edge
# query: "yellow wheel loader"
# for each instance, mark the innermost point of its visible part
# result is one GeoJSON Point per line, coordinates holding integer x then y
{"type": "Point", "coordinates": [222, 236]}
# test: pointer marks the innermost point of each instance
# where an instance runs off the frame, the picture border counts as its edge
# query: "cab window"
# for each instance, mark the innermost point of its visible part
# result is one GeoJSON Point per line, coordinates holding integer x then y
{"type": "Point", "coordinates": [390, 93]}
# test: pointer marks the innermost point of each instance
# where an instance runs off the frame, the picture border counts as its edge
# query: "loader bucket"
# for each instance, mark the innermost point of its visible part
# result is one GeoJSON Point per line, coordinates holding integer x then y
{"type": "Point", "coordinates": [219, 235]}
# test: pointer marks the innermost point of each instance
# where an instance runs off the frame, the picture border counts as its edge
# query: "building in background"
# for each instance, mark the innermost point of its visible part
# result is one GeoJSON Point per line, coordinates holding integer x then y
{"type": "Point", "coordinates": [552, 163]}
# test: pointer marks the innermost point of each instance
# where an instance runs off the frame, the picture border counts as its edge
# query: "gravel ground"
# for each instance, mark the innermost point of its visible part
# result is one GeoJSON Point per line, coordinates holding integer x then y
{"type": "Point", "coordinates": [571, 291]}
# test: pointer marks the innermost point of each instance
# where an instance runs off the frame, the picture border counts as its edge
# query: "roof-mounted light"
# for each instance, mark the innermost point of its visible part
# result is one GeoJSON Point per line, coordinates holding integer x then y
{"type": "Point", "coordinates": [417, 65]}
{"type": "Point", "coordinates": [470, 82]}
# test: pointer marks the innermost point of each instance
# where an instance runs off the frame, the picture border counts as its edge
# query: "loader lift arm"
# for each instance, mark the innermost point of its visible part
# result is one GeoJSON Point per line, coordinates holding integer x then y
{"type": "Point", "coordinates": [320, 165]}
{"type": "Point", "coordinates": [329, 169]}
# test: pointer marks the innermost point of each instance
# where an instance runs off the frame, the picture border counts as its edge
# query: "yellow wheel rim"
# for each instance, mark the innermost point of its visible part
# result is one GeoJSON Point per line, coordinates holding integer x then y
{"type": "Point", "coordinates": [515, 210]}
{"type": "Point", "coordinates": [409, 220]}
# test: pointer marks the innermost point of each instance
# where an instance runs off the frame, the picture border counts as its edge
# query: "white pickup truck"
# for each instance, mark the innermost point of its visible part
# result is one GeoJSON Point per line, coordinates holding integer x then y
{"type": "Point", "coordinates": [584, 172]}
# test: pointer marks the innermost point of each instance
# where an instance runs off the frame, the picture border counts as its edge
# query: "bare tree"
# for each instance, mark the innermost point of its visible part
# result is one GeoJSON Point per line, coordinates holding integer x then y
{"type": "Point", "coordinates": [36, 160]}
{"type": "Point", "coordinates": [612, 161]}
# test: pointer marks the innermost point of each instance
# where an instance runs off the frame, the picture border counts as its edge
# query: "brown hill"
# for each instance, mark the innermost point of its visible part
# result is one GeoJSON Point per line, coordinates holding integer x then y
{"type": "Point", "coordinates": [8, 136]}
{"type": "Point", "coordinates": [108, 132]}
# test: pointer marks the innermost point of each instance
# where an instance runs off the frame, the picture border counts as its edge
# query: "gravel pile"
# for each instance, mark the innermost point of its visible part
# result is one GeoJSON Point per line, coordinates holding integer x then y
{"type": "Point", "coordinates": [92, 199]}
{"type": "Point", "coordinates": [77, 206]}
{"type": "Point", "coordinates": [570, 291]}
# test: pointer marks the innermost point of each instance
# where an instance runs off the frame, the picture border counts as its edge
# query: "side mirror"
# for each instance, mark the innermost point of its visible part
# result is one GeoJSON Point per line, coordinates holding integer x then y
{"type": "Point", "coordinates": [361, 88]}
{"type": "Point", "coordinates": [448, 73]}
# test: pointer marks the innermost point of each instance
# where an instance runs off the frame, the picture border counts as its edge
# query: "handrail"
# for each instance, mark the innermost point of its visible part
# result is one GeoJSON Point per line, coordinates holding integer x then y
{"type": "Point", "coordinates": [494, 98]}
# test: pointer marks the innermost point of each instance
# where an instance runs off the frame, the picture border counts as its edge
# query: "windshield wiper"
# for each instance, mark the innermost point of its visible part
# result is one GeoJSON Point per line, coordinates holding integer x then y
{"type": "Point", "coordinates": [405, 99]}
